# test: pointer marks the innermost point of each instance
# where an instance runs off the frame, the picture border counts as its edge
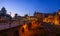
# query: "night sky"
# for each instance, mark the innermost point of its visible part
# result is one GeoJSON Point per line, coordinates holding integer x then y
{"type": "Point", "coordinates": [23, 7]}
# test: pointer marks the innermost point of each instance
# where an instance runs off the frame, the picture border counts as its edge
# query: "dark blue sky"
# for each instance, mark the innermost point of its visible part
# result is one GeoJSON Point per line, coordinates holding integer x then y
{"type": "Point", "coordinates": [23, 7]}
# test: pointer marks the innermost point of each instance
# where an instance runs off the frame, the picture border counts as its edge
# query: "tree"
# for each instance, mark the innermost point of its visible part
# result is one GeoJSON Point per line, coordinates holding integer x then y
{"type": "Point", "coordinates": [3, 10]}
{"type": "Point", "coordinates": [16, 15]}
{"type": "Point", "coordinates": [26, 15]}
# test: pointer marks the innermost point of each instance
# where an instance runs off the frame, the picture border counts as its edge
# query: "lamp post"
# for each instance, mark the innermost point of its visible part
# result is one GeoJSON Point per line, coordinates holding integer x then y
{"type": "Point", "coordinates": [10, 20]}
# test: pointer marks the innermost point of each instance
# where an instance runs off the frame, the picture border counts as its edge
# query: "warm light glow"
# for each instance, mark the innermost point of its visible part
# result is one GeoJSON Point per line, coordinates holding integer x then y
{"type": "Point", "coordinates": [25, 27]}
{"type": "Point", "coordinates": [58, 12]}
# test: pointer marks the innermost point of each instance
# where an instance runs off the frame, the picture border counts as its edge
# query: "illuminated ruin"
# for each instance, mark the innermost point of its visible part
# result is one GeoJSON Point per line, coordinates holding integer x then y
{"type": "Point", "coordinates": [49, 18]}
